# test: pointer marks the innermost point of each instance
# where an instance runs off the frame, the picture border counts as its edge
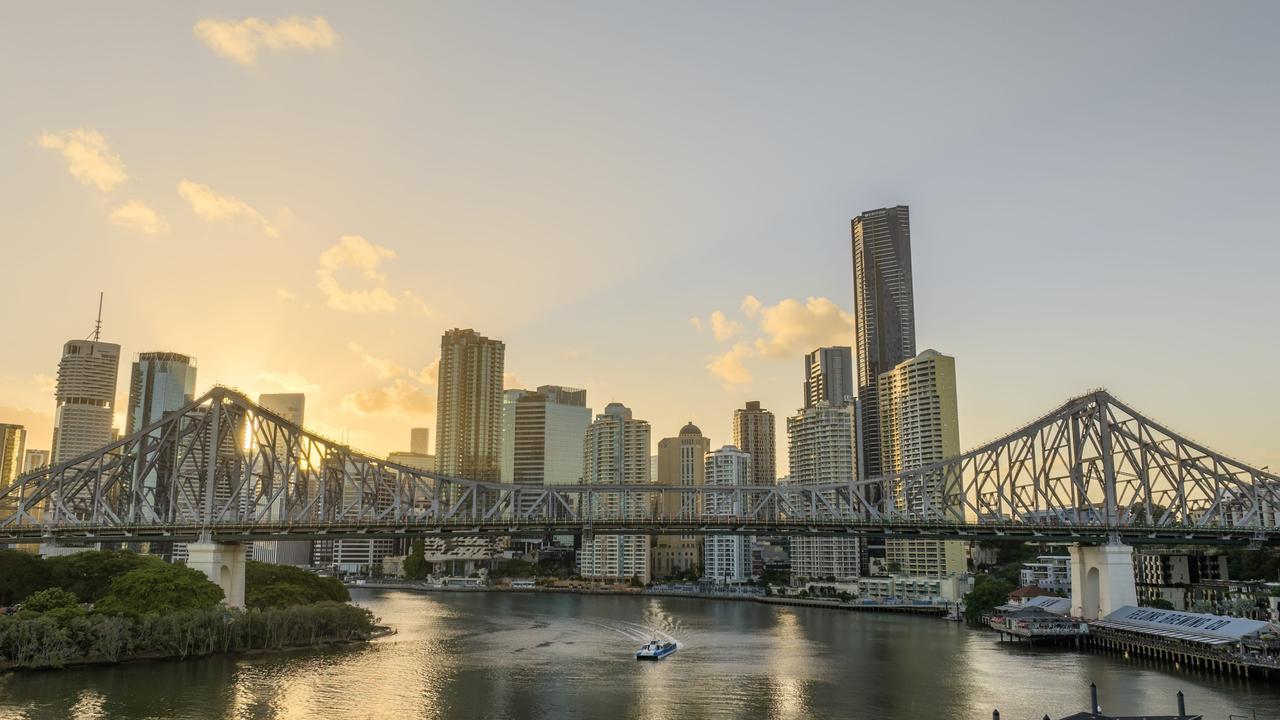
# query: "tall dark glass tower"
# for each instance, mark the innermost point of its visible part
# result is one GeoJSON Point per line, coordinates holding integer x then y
{"type": "Point", "coordinates": [884, 315]}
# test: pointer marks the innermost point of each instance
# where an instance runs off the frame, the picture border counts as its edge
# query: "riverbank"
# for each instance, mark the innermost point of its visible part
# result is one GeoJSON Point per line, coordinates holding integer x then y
{"type": "Point", "coordinates": [930, 610]}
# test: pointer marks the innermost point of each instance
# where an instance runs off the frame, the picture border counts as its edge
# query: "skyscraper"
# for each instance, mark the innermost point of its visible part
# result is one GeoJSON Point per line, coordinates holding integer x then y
{"type": "Point", "coordinates": [548, 427]}
{"type": "Point", "coordinates": [681, 463]}
{"type": "Point", "coordinates": [753, 433]}
{"type": "Point", "coordinates": [469, 406]}
{"type": "Point", "coordinates": [822, 442]}
{"type": "Point", "coordinates": [616, 452]}
{"type": "Point", "coordinates": [86, 398]}
{"type": "Point", "coordinates": [161, 382]}
{"type": "Point", "coordinates": [420, 441]}
{"type": "Point", "coordinates": [727, 558]}
{"type": "Point", "coordinates": [34, 460]}
{"type": "Point", "coordinates": [293, 408]}
{"type": "Point", "coordinates": [13, 440]}
{"type": "Point", "coordinates": [828, 376]}
{"type": "Point", "coordinates": [919, 426]}
{"type": "Point", "coordinates": [290, 406]}
{"type": "Point", "coordinates": [507, 464]}
{"type": "Point", "coordinates": [884, 314]}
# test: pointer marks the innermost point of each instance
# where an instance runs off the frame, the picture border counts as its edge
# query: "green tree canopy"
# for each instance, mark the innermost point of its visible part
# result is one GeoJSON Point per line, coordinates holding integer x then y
{"type": "Point", "coordinates": [267, 585]}
{"type": "Point", "coordinates": [988, 593]}
{"type": "Point", "coordinates": [54, 603]}
{"type": "Point", "coordinates": [88, 574]}
{"type": "Point", "coordinates": [415, 563]}
{"type": "Point", "coordinates": [1158, 604]}
{"type": "Point", "coordinates": [517, 568]}
{"type": "Point", "coordinates": [21, 574]}
{"type": "Point", "coordinates": [157, 588]}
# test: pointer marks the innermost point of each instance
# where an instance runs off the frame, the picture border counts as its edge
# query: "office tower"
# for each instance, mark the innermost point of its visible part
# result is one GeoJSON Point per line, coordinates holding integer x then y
{"type": "Point", "coordinates": [753, 433]}
{"type": "Point", "coordinates": [86, 398]}
{"type": "Point", "coordinates": [13, 439]}
{"type": "Point", "coordinates": [34, 460]}
{"type": "Point", "coordinates": [727, 557]}
{"type": "Point", "coordinates": [548, 426]}
{"type": "Point", "coordinates": [828, 376]}
{"type": "Point", "coordinates": [884, 314]}
{"type": "Point", "coordinates": [161, 382]}
{"type": "Point", "coordinates": [822, 441]}
{"type": "Point", "coordinates": [680, 462]}
{"type": "Point", "coordinates": [469, 406]}
{"type": "Point", "coordinates": [919, 426]}
{"type": "Point", "coordinates": [292, 408]}
{"type": "Point", "coordinates": [616, 452]}
{"type": "Point", "coordinates": [509, 399]}
{"type": "Point", "coordinates": [420, 441]}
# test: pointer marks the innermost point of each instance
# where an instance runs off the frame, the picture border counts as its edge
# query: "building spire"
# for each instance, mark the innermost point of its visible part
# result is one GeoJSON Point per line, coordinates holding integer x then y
{"type": "Point", "coordinates": [97, 326]}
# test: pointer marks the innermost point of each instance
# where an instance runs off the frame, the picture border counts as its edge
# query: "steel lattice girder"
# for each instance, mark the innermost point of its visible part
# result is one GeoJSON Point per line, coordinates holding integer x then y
{"type": "Point", "coordinates": [221, 462]}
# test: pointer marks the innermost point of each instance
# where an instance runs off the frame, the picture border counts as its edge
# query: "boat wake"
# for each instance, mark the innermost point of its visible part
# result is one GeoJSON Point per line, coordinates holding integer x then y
{"type": "Point", "coordinates": [634, 631]}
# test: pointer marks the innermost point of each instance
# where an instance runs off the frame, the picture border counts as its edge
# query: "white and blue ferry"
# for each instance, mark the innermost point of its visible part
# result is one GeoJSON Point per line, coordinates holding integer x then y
{"type": "Point", "coordinates": [654, 650]}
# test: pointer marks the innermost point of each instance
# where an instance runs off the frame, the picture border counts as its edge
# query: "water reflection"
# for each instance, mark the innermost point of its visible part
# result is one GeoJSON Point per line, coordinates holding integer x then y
{"type": "Point", "coordinates": [539, 657]}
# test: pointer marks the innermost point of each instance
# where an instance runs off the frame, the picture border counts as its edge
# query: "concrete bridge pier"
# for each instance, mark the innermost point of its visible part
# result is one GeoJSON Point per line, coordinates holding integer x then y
{"type": "Point", "coordinates": [223, 563]}
{"type": "Point", "coordinates": [1101, 579]}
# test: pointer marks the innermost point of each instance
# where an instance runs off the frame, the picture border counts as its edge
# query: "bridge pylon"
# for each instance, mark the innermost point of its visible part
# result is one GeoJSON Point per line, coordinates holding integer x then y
{"type": "Point", "coordinates": [1102, 579]}
{"type": "Point", "coordinates": [224, 564]}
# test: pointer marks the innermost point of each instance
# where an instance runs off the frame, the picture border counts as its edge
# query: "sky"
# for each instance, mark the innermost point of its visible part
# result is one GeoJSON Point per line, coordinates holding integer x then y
{"type": "Point", "coordinates": [650, 200]}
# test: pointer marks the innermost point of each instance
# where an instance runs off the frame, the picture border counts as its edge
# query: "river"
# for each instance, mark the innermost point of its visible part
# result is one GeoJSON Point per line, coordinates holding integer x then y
{"type": "Point", "coordinates": [508, 655]}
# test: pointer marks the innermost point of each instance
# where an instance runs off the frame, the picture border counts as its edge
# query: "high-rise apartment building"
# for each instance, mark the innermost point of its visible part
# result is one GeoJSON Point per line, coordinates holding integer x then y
{"type": "Point", "coordinates": [884, 314]}
{"type": "Point", "coordinates": [727, 558]}
{"type": "Point", "coordinates": [13, 440]}
{"type": "Point", "coordinates": [828, 376]}
{"type": "Point", "coordinates": [86, 398]}
{"type": "Point", "coordinates": [420, 440]}
{"type": "Point", "coordinates": [680, 463]}
{"type": "Point", "coordinates": [753, 433]}
{"type": "Point", "coordinates": [35, 459]}
{"type": "Point", "coordinates": [616, 452]}
{"type": "Point", "coordinates": [918, 426]}
{"type": "Point", "coordinates": [822, 442]}
{"type": "Point", "coordinates": [292, 407]}
{"type": "Point", "coordinates": [469, 406]}
{"type": "Point", "coordinates": [548, 428]}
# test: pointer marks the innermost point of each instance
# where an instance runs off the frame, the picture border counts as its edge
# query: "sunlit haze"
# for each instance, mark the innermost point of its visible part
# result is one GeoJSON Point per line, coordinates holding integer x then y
{"type": "Point", "coordinates": [651, 202]}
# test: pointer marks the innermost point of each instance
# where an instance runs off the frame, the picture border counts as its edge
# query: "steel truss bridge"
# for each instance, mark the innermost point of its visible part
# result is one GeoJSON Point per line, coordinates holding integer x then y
{"type": "Point", "coordinates": [223, 469]}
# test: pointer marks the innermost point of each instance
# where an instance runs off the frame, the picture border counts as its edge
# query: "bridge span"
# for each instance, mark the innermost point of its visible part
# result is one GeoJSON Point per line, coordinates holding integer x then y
{"type": "Point", "coordinates": [223, 470]}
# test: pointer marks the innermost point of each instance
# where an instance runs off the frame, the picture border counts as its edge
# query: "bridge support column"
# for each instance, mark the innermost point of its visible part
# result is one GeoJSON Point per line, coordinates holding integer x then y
{"type": "Point", "coordinates": [223, 563]}
{"type": "Point", "coordinates": [1101, 579]}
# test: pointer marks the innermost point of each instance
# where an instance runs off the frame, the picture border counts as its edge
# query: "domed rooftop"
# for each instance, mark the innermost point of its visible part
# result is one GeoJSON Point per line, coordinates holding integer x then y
{"type": "Point", "coordinates": [690, 429]}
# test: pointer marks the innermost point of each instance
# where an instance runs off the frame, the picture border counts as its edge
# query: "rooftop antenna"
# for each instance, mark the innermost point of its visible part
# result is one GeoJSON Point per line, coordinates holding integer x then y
{"type": "Point", "coordinates": [97, 327]}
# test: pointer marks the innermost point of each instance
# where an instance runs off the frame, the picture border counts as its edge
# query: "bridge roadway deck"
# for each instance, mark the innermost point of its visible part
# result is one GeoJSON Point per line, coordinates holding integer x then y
{"type": "Point", "coordinates": [375, 529]}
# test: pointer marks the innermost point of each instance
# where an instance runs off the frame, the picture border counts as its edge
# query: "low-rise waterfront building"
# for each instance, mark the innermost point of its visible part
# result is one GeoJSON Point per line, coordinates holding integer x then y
{"type": "Point", "coordinates": [1216, 642]}
{"type": "Point", "coordinates": [1051, 572]}
{"type": "Point", "coordinates": [902, 588]}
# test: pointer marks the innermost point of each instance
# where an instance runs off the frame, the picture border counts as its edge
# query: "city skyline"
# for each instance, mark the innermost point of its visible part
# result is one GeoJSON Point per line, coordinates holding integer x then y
{"type": "Point", "coordinates": [996, 234]}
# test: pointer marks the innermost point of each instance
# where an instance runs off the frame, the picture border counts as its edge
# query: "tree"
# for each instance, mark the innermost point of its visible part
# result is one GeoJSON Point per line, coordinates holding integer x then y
{"type": "Point", "coordinates": [988, 593]}
{"type": "Point", "coordinates": [635, 581]}
{"type": "Point", "coordinates": [267, 585]}
{"type": "Point", "coordinates": [415, 563]}
{"type": "Point", "coordinates": [159, 588]}
{"type": "Point", "coordinates": [21, 574]}
{"type": "Point", "coordinates": [54, 603]}
{"type": "Point", "coordinates": [1158, 604]}
{"type": "Point", "coordinates": [517, 568]}
{"type": "Point", "coordinates": [88, 574]}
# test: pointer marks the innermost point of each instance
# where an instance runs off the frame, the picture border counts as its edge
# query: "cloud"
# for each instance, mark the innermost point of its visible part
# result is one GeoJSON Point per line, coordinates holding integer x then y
{"type": "Point", "coordinates": [792, 328]}
{"type": "Point", "coordinates": [212, 206]}
{"type": "Point", "coordinates": [724, 328]}
{"type": "Point", "coordinates": [411, 298]}
{"type": "Point", "coordinates": [353, 251]}
{"type": "Point", "coordinates": [730, 368]}
{"type": "Point", "coordinates": [751, 307]}
{"type": "Point", "coordinates": [240, 40]}
{"type": "Point", "coordinates": [696, 322]}
{"type": "Point", "coordinates": [285, 295]}
{"type": "Point", "coordinates": [289, 381]}
{"type": "Point", "coordinates": [401, 396]}
{"type": "Point", "coordinates": [570, 355]}
{"type": "Point", "coordinates": [510, 381]}
{"type": "Point", "coordinates": [136, 215]}
{"type": "Point", "coordinates": [382, 367]}
{"type": "Point", "coordinates": [89, 158]}
{"type": "Point", "coordinates": [46, 384]}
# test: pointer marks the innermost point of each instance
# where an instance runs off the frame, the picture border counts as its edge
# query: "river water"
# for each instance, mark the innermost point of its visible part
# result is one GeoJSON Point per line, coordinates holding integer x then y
{"type": "Point", "coordinates": [507, 655]}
